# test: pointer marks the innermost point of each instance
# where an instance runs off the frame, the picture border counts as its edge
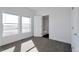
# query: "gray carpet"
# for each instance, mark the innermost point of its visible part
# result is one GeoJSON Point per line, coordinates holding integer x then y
{"type": "Point", "coordinates": [42, 45]}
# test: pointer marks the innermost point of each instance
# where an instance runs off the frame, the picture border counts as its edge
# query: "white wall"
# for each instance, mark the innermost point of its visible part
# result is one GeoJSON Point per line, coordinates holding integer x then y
{"type": "Point", "coordinates": [59, 23]}
{"type": "Point", "coordinates": [62, 24]}
{"type": "Point", "coordinates": [0, 27]}
{"type": "Point", "coordinates": [75, 25]}
{"type": "Point", "coordinates": [37, 26]}
{"type": "Point", "coordinates": [20, 12]}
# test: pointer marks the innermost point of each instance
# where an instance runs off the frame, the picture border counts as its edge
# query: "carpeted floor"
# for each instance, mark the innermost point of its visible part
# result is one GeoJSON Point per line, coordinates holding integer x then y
{"type": "Point", "coordinates": [36, 44]}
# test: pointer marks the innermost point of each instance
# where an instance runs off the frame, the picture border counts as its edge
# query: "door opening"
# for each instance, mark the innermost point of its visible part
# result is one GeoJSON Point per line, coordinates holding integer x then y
{"type": "Point", "coordinates": [45, 26]}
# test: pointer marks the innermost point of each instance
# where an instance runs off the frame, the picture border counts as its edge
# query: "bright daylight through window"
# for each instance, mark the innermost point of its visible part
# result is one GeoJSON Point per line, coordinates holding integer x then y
{"type": "Point", "coordinates": [26, 24]}
{"type": "Point", "coordinates": [10, 24]}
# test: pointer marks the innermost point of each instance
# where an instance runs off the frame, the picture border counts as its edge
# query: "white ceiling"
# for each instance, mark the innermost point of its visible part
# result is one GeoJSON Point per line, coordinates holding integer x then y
{"type": "Point", "coordinates": [41, 8]}
{"type": "Point", "coordinates": [44, 8]}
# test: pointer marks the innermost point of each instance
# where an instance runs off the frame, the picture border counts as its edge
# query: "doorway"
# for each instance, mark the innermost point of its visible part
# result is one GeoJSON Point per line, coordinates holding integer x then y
{"type": "Point", "coordinates": [45, 26]}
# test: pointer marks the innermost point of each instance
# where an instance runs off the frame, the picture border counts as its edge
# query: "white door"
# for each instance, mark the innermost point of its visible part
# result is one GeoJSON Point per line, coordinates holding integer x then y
{"type": "Point", "coordinates": [75, 30]}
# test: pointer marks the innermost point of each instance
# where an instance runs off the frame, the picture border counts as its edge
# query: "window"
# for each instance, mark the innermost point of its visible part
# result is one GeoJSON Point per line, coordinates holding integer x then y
{"type": "Point", "coordinates": [10, 24]}
{"type": "Point", "coordinates": [26, 24]}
